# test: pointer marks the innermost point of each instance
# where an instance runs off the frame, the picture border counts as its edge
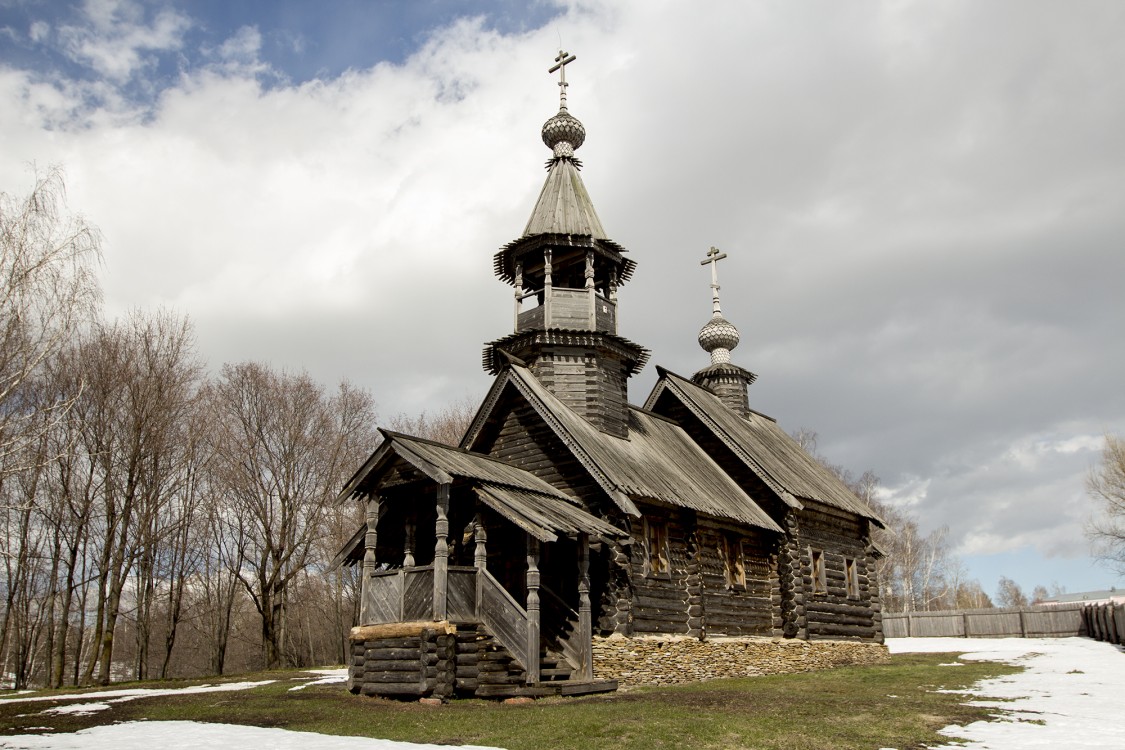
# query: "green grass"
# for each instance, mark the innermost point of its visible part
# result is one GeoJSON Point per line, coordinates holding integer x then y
{"type": "Point", "coordinates": [887, 705]}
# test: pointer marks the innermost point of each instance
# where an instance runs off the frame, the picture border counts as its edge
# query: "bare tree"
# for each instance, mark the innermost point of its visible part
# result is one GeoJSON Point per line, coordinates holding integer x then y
{"type": "Point", "coordinates": [140, 378]}
{"type": "Point", "coordinates": [448, 425]}
{"type": "Point", "coordinates": [1106, 485]}
{"type": "Point", "coordinates": [48, 290]}
{"type": "Point", "coordinates": [283, 447]}
{"type": "Point", "coordinates": [1009, 593]}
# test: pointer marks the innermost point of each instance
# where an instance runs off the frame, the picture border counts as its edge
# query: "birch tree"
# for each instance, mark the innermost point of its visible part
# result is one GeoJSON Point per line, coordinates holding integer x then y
{"type": "Point", "coordinates": [48, 290]}
{"type": "Point", "coordinates": [1106, 485]}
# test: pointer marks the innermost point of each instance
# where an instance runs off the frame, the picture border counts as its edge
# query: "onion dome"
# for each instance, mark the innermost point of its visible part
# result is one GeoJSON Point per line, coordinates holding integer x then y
{"type": "Point", "coordinates": [563, 134]}
{"type": "Point", "coordinates": [717, 338]}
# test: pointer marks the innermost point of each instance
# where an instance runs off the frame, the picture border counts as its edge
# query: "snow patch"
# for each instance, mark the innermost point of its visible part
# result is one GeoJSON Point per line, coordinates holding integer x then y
{"type": "Point", "coordinates": [189, 735]}
{"type": "Point", "coordinates": [1067, 696]}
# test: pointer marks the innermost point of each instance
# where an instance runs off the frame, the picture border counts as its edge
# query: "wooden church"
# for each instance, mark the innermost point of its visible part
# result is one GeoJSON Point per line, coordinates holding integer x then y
{"type": "Point", "coordinates": [568, 514]}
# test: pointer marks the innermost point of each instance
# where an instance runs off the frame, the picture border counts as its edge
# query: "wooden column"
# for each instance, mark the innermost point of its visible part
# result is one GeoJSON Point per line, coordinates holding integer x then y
{"type": "Point", "coordinates": [591, 293]}
{"type": "Point", "coordinates": [613, 297]}
{"type": "Point", "coordinates": [480, 557]}
{"type": "Point", "coordinates": [547, 288]}
{"type": "Point", "coordinates": [532, 657]}
{"type": "Point", "coordinates": [369, 542]}
{"type": "Point", "coordinates": [408, 546]}
{"type": "Point", "coordinates": [585, 628]}
{"type": "Point", "coordinates": [519, 294]}
{"type": "Point", "coordinates": [441, 552]}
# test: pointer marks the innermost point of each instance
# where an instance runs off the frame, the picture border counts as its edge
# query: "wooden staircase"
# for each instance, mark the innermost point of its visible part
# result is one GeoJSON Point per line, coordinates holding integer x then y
{"type": "Point", "coordinates": [485, 669]}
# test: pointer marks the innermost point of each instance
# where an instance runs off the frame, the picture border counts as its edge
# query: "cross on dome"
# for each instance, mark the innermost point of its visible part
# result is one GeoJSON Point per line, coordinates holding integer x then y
{"type": "Point", "coordinates": [564, 59]}
{"type": "Point", "coordinates": [563, 133]}
{"type": "Point", "coordinates": [713, 257]}
{"type": "Point", "coordinates": [719, 336]}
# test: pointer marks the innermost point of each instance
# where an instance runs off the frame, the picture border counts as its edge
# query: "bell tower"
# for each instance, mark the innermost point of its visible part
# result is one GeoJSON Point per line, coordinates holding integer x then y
{"type": "Point", "coordinates": [566, 273]}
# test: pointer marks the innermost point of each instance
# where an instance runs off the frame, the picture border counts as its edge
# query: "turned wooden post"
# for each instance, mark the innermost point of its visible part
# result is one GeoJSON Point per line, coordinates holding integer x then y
{"type": "Point", "coordinates": [519, 294]}
{"type": "Point", "coordinates": [547, 288]}
{"type": "Point", "coordinates": [532, 660]}
{"type": "Point", "coordinates": [480, 557]}
{"type": "Point", "coordinates": [441, 553]}
{"type": "Point", "coordinates": [408, 546]}
{"type": "Point", "coordinates": [585, 628]}
{"type": "Point", "coordinates": [369, 563]}
{"type": "Point", "coordinates": [591, 293]}
{"type": "Point", "coordinates": [613, 298]}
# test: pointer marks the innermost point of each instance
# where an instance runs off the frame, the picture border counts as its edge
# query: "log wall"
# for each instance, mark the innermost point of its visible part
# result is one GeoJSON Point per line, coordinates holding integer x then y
{"type": "Point", "coordinates": [403, 659]}
{"type": "Point", "coordinates": [834, 613]}
{"type": "Point", "coordinates": [694, 596]}
{"type": "Point", "coordinates": [431, 659]}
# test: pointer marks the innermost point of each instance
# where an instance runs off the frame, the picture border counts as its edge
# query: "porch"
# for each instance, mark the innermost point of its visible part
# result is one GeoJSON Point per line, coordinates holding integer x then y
{"type": "Point", "coordinates": [514, 622]}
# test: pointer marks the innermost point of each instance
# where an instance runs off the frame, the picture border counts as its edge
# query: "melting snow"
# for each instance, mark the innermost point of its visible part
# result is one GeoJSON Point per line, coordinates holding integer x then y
{"type": "Point", "coordinates": [189, 735]}
{"type": "Point", "coordinates": [1069, 694]}
{"type": "Point", "coordinates": [328, 677]}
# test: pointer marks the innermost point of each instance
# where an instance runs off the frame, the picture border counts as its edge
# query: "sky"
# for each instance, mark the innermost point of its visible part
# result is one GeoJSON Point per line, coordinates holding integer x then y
{"type": "Point", "coordinates": [922, 205]}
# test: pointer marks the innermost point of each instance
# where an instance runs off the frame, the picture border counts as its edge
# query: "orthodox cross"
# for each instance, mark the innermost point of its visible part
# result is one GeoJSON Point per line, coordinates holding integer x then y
{"type": "Point", "coordinates": [561, 62]}
{"type": "Point", "coordinates": [713, 257]}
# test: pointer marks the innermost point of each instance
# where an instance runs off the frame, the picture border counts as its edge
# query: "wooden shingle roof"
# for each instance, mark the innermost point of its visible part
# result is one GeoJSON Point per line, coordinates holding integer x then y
{"type": "Point", "coordinates": [564, 206]}
{"type": "Point", "coordinates": [523, 498]}
{"type": "Point", "coordinates": [658, 461]}
{"type": "Point", "coordinates": [442, 463]}
{"type": "Point", "coordinates": [765, 448]}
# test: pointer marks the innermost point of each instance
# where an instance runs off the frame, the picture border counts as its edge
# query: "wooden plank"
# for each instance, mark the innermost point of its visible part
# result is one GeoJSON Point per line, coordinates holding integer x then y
{"type": "Point", "coordinates": [462, 594]}
{"type": "Point", "coordinates": [418, 594]}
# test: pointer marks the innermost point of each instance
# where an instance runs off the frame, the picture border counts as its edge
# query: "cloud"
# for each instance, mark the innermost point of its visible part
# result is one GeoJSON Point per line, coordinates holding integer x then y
{"type": "Point", "coordinates": [117, 39]}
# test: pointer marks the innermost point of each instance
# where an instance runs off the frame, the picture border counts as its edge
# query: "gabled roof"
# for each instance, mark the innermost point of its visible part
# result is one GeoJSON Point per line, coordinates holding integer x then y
{"type": "Point", "coordinates": [658, 461]}
{"type": "Point", "coordinates": [764, 447]}
{"type": "Point", "coordinates": [564, 206]}
{"type": "Point", "coordinates": [441, 463]}
{"type": "Point", "coordinates": [542, 517]}
{"type": "Point", "coordinates": [521, 497]}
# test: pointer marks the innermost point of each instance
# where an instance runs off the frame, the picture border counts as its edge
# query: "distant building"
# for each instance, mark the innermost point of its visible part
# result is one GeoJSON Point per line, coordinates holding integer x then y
{"type": "Point", "coordinates": [1106, 596]}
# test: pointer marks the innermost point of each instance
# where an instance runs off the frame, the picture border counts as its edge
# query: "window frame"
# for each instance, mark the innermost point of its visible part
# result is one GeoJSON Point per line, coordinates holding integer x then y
{"type": "Point", "coordinates": [656, 541]}
{"type": "Point", "coordinates": [851, 577]}
{"type": "Point", "coordinates": [819, 572]}
{"type": "Point", "coordinates": [733, 556]}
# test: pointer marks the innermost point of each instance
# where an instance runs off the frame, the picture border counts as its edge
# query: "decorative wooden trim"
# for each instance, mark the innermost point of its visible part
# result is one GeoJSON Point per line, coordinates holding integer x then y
{"type": "Point", "coordinates": [533, 580]}
{"type": "Point", "coordinates": [585, 625]}
{"type": "Point", "coordinates": [441, 553]}
{"type": "Point", "coordinates": [620, 498]}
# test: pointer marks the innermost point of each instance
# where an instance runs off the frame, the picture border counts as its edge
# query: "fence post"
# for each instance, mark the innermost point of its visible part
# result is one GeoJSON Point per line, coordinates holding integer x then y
{"type": "Point", "coordinates": [965, 624]}
{"type": "Point", "coordinates": [909, 625]}
{"type": "Point", "coordinates": [1023, 626]}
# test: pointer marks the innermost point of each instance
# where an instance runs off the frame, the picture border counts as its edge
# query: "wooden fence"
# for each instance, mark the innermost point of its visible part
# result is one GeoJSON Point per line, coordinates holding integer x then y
{"type": "Point", "coordinates": [1020, 622]}
{"type": "Point", "coordinates": [1105, 622]}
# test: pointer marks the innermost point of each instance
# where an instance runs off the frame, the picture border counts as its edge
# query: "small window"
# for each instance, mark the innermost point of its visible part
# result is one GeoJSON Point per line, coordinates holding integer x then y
{"type": "Point", "coordinates": [656, 548]}
{"type": "Point", "coordinates": [734, 563]}
{"type": "Point", "coordinates": [819, 577]}
{"type": "Point", "coordinates": [851, 573]}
